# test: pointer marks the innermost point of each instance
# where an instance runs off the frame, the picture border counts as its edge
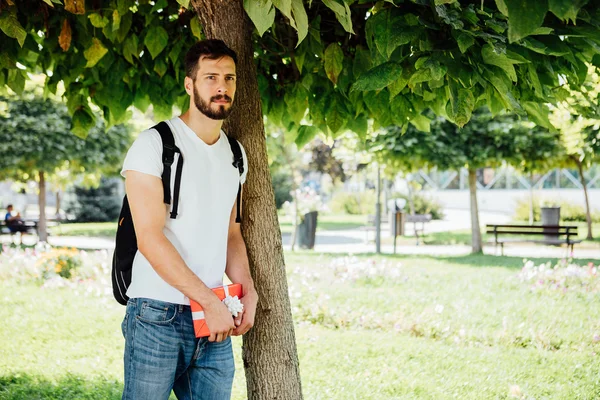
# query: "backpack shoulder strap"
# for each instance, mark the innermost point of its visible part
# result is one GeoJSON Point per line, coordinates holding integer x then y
{"type": "Point", "coordinates": [238, 162]}
{"type": "Point", "coordinates": [238, 159]}
{"type": "Point", "coordinates": [168, 157]}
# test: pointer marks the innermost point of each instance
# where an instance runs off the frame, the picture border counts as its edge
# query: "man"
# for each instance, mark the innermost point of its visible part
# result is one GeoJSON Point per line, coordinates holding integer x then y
{"type": "Point", "coordinates": [15, 223]}
{"type": "Point", "coordinates": [181, 259]}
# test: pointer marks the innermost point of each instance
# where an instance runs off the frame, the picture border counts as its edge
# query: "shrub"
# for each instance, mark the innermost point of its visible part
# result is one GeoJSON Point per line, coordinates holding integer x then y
{"type": "Point", "coordinates": [101, 204]}
{"type": "Point", "coordinates": [568, 212]}
{"type": "Point", "coordinates": [282, 186]}
{"type": "Point", "coordinates": [61, 262]}
{"type": "Point", "coordinates": [360, 203]}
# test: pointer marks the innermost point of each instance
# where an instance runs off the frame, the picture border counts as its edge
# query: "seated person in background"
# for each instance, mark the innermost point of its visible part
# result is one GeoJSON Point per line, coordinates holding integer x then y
{"type": "Point", "coordinates": [14, 222]}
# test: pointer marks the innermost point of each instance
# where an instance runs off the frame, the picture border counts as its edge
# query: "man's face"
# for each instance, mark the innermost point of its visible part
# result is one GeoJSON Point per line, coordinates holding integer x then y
{"type": "Point", "coordinates": [214, 87]}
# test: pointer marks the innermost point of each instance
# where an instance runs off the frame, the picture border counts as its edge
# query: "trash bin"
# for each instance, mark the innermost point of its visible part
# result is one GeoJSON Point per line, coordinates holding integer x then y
{"type": "Point", "coordinates": [307, 230]}
{"type": "Point", "coordinates": [396, 216]}
{"type": "Point", "coordinates": [397, 220]}
{"type": "Point", "coordinates": [550, 216]}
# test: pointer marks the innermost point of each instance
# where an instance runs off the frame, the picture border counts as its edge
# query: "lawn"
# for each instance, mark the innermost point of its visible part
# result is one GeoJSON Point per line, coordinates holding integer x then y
{"type": "Point", "coordinates": [109, 229]}
{"type": "Point", "coordinates": [367, 327]}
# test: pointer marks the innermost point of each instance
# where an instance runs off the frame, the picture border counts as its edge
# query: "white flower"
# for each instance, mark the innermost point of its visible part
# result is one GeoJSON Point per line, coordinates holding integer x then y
{"type": "Point", "coordinates": [234, 305]}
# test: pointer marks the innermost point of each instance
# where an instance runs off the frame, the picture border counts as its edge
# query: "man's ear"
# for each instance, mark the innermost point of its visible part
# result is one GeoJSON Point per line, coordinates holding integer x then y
{"type": "Point", "coordinates": [189, 85]}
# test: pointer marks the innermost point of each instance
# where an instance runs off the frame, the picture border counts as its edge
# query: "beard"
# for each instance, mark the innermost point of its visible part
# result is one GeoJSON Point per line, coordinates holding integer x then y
{"type": "Point", "coordinates": [204, 107]}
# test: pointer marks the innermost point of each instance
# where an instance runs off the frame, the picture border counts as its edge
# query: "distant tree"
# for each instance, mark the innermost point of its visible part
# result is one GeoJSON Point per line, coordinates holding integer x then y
{"type": "Point", "coordinates": [36, 143]}
{"type": "Point", "coordinates": [577, 117]}
{"type": "Point", "coordinates": [486, 141]}
{"type": "Point", "coordinates": [96, 204]}
{"type": "Point", "coordinates": [325, 162]}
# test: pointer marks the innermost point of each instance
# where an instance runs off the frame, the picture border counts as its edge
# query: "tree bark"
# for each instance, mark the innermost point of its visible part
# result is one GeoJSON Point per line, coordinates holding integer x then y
{"type": "Point", "coordinates": [57, 214]}
{"type": "Point", "coordinates": [476, 244]}
{"type": "Point", "coordinates": [42, 226]}
{"type": "Point", "coordinates": [531, 205]}
{"type": "Point", "coordinates": [588, 214]}
{"type": "Point", "coordinates": [269, 349]}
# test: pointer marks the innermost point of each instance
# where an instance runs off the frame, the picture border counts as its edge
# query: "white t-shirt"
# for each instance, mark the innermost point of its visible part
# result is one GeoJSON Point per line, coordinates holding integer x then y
{"type": "Point", "coordinates": [208, 190]}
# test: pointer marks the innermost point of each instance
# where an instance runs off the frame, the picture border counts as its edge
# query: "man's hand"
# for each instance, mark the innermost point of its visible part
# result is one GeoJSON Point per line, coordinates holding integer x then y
{"type": "Point", "coordinates": [219, 321]}
{"type": "Point", "coordinates": [245, 321]}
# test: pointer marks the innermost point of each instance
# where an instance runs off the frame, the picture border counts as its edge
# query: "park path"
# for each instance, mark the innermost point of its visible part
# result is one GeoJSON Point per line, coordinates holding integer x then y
{"type": "Point", "coordinates": [358, 241]}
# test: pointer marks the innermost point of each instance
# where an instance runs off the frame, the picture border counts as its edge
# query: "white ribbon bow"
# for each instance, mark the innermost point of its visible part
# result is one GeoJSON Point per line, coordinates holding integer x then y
{"type": "Point", "coordinates": [234, 305]}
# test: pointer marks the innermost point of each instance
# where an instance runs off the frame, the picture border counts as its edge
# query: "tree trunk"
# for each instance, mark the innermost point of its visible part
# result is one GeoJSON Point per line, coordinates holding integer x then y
{"type": "Point", "coordinates": [295, 178]}
{"type": "Point", "coordinates": [295, 222]}
{"type": "Point", "coordinates": [588, 214]}
{"type": "Point", "coordinates": [269, 350]}
{"type": "Point", "coordinates": [531, 205]}
{"type": "Point", "coordinates": [378, 212]}
{"type": "Point", "coordinates": [57, 214]}
{"type": "Point", "coordinates": [475, 229]}
{"type": "Point", "coordinates": [42, 228]}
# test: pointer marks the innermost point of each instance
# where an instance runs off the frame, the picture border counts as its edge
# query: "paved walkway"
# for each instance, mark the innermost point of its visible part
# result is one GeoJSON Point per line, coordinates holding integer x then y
{"type": "Point", "coordinates": [355, 241]}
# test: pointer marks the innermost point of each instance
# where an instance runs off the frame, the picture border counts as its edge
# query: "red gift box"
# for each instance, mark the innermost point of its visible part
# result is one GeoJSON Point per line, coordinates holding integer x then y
{"type": "Point", "coordinates": [222, 292]}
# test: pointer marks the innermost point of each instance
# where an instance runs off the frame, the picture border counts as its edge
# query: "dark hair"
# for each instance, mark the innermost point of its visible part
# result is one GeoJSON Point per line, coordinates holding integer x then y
{"type": "Point", "coordinates": [213, 49]}
{"type": "Point", "coordinates": [9, 206]}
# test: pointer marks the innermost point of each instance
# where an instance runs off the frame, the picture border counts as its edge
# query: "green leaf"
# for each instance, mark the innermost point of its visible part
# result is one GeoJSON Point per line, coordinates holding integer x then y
{"type": "Point", "coordinates": [262, 14]}
{"type": "Point", "coordinates": [431, 70]}
{"type": "Point", "coordinates": [362, 61]}
{"type": "Point", "coordinates": [124, 5]}
{"type": "Point", "coordinates": [534, 81]}
{"type": "Point", "coordinates": [390, 30]}
{"type": "Point", "coordinates": [306, 133]}
{"type": "Point", "coordinates": [461, 105]}
{"type": "Point", "coordinates": [141, 101]}
{"type": "Point", "coordinates": [16, 80]}
{"type": "Point", "coordinates": [335, 118]}
{"type": "Point", "coordinates": [285, 7]}
{"type": "Point", "coordinates": [538, 113]}
{"type": "Point", "coordinates": [378, 78]}
{"type": "Point", "coordinates": [125, 26]}
{"type": "Point", "coordinates": [566, 9]}
{"type": "Point", "coordinates": [342, 13]}
{"type": "Point", "coordinates": [156, 40]}
{"type": "Point", "coordinates": [465, 41]}
{"type": "Point", "coordinates": [300, 19]}
{"type": "Point", "coordinates": [184, 3]}
{"type": "Point", "coordinates": [524, 17]}
{"type": "Point", "coordinates": [116, 20]}
{"type": "Point", "coordinates": [333, 58]}
{"type": "Point", "coordinates": [398, 85]}
{"type": "Point", "coordinates": [358, 125]}
{"type": "Point", "coordinates": [440, 2]}
{"type": "Point", "coordinates": [422, 123]}
{"type": "Point", "coordinates": [94, 53]}
{"type": "Point", "coordinates": [82, 121]}
{"type": "Point", "coordinates": [502, 7]}
{"type": "Point", "coordinates": [502, 85]}
{"type": "Point", "coordinates": [130, 48]}
{"type": "Point", "coordinates": [401, 109]}
{"type": "Point", "coordinates": [500, 60]}
{"type": "Point", "coordinates": [98, 21]}
{"type": "Point", "coordinates": [160, 67]}
{"type": "Point", "coordinates": [196, 28]}
{"type": "Point", "coordinates": [12, 28]}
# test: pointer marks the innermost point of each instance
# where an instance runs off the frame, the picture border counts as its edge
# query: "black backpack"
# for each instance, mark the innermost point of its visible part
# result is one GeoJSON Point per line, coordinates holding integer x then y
{"type": "Point", "coordinates": [126, 241]}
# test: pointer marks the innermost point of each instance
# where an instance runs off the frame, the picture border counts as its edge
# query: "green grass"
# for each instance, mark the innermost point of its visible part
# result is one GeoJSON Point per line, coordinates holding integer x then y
{"type": "Point", "coordinates": [109, 229]}
{"type": "Point", "coordinates": [97, 229]}
{"type": "Point", "coordinates": [367, 328]}
{"type": "Point", "coordinates": [327, 222]}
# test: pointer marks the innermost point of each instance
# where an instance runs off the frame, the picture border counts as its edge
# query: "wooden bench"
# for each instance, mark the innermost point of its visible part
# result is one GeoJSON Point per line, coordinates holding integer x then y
{"type": "Point", "coordinates": [416, 219]}
{"type": "Point", "coordinates": [554, 234]}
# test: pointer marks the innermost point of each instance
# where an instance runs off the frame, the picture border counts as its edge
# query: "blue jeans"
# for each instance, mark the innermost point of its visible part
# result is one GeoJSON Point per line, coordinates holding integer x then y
{"type": "Point", "coordinates": [163, 354]}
